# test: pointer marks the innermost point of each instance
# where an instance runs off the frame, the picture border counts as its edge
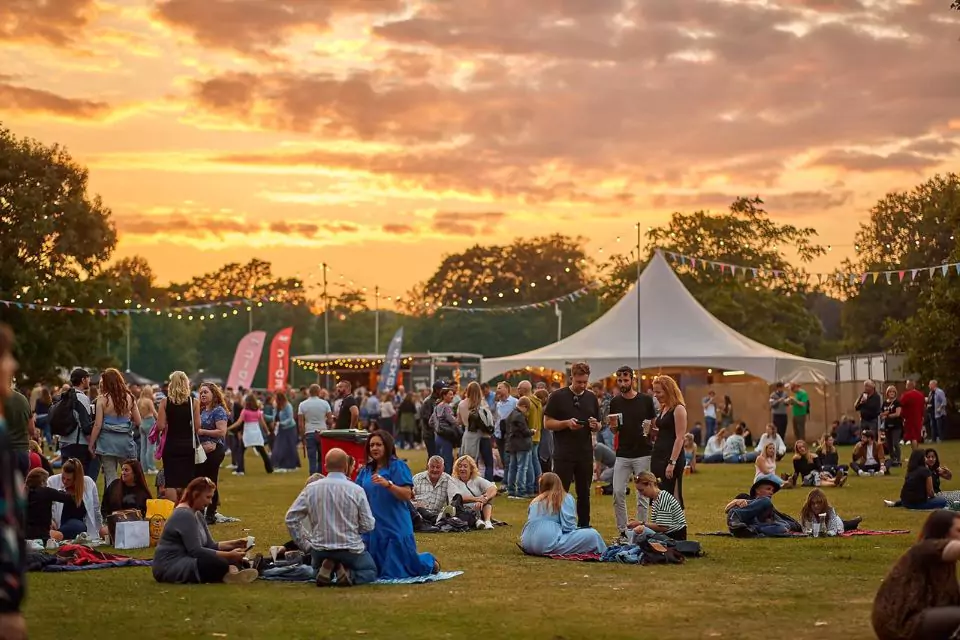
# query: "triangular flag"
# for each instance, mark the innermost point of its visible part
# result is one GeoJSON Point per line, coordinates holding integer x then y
{"type": "Point", "coordinates": [902, 273]}
{"type": "Point", "coordinates": [875, 275]}
{"type": "Point", "coordinates": [945, 269]}
{"type": "Point", "coordinates": [888, 277]}
{"type": "Point", "coordinates": [931, 271]}
{"type": "Point", "coordinates": [863, 278]}
{"type": "Point", "coordinates": [957, 267]}
{"type": "Point", "coordinates": [914, 273]}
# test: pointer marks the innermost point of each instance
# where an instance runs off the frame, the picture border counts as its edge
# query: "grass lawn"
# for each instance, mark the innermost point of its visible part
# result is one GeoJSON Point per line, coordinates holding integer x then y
{"type": "Point", "coordinates": [742, 589]}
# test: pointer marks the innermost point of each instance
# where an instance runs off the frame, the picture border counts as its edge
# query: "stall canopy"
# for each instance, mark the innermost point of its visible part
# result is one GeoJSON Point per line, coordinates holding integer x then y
{"type": "Point", "coordinates": [674, 331]}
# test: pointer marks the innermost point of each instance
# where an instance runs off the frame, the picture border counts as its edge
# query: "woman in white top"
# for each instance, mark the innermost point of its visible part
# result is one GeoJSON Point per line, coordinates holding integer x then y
{"type": "Point", "coordinates": [148, 418]}
{"type": "Point", "coordinates": [771, 435]}
{"type": "Point", "coordinates": [471, 490]}
{"type": "Point", "coordinates": [82, 514]}
{"type": "Point", "coordinates": [713, 452]}
{"type": "Point", "coordinates": [388, 413]}
{"type": "Point", "coordinates": [767, 464]}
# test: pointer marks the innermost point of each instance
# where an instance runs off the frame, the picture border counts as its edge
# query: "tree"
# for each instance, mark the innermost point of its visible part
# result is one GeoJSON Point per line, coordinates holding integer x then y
{"type": "Point", "coordinates": [906, 231]}
{"type": "Point", "coordinates": [54, 241]}
{"type": "Point", "coordinates": [769, 309]}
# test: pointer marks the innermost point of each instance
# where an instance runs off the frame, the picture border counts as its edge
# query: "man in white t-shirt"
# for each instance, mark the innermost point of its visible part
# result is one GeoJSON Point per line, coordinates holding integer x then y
{"type": "Point", "coordinates": [710, 413]}
{"type": "Point", "coordinates": [312, 419]}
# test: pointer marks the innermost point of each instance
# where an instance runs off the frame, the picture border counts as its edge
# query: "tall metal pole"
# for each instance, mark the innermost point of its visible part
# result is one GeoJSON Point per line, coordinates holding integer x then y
{"type": "Point", "coordinates": [376, 320]}
{"type": "Point", "coordinates": [326, 324]}
{"type": "Point", "coordinates": [129, 331]}
{"type": "Point", "coordinates": [250, 318]}
{"type": "Point", "coordinates": [639, 331]}
{"type": "Point", "coordinates": [559, 312]}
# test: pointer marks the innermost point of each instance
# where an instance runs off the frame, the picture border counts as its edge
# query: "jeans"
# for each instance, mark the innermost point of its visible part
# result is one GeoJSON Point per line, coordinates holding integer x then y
{"type": "Point", "coordinates": [866, 468]}
{"type": "Point", "coordinates": [43, 424]}
{"type": "Point", "coordinates": [313, 453]}
{"type": "Point", "coordinates": [267, 465]}
{"type": "Point", "coordinates": [535, 470]}
{"type": "Point", "coordinates": [933, 503]}
{"type": "Point", "coordinates": [711, 425]}
{"type": "Point", "coordinates": [430, 441]}
{"type": "Point", "coordinates": [937, 425]}
{"type": "Point", "coordinates": [713, 458]}
{"type": "Point", "coordinates": [234, 443]}
{"type": "Point", "coordinates": [623, 470]}
{"type": "Point", "coordinates": [445, 451]}
{"type": "Point", "coordinates": [758, 508]}
{"type": "Point", "coordinates": [579, 472]}
{"type": "Point", "coordinates": [780, 422]}
{"type": "Point", "coordinates": [744, 457]}
{"type": "Point", "coordinates": [486, 454]}
{"type": "Point", "coordinates": [894, 435]}
{"type": "Point", "coordinates": [518, 479]}
{"type": "Point", "coordinates": [110, 466]}
{"type": "Point", "coordinates": [147, 449]}
{"type": "Point", "coordinates": [361, 565]}
{"type": "Point", "coordinates": [605, 435]}
{"type": "Point", "coordinates": [72, 528]}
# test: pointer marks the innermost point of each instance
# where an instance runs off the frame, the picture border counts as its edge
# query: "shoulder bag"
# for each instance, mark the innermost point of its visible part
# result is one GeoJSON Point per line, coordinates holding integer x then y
{"type": "Point", "coordinates": [199, 455]}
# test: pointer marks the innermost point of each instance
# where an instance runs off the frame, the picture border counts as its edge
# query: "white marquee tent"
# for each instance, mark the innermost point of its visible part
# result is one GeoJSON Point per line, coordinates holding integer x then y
{"type": "Point", "coordinates": [675, 331]}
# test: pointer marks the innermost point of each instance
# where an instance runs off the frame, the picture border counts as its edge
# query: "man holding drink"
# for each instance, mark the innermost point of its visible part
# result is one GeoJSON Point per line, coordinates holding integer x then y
{"type": "Point", "coordinates": [631, 417]}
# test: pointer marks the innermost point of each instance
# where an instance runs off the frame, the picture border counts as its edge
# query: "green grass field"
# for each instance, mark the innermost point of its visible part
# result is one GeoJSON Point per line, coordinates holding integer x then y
{"type": "Point", "coordinates": [742, 589]}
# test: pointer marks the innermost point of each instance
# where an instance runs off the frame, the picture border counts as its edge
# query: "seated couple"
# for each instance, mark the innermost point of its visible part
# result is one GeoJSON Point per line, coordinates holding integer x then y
{"type": "Point", "coordinates": [63, 506]}
{"type": "Point", "coordinates": [810, 471]}
{"type": "Point", "coordinates": [753, 515]}
{"type": "Point", "coordinates": [731, 448]}
{"type": "Point", "coordinates": [921, 484]}
{"type": "Point", "coordinates": [466, 493]}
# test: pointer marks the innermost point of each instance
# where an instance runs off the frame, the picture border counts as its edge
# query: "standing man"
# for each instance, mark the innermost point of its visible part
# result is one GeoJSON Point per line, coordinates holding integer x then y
{"type": "Point", "coordinates": [710, 413]}
{"type": "Point", "coordinates": [20, 424]}
{"type": "Point", "coordinates": [869, 404]}
{"type": "Point", "coordinates": [426, 412]}
{"type": "Point", "coordinates": [505, 404]}
{"type": "Point", "coordinates": [535, 422]}
{"type": "Point", "coordinates": [801, 409]}
{"type": "Point", "coordinates": [311, 420]}
{"type": "Point", "coordinates": [349, 415]}
{"type": "Point", "coordinates": [628, 412]}
{"type": "Point", "coordinates": [778, 409]}
{"type": "Point", "coordinates": [572, 413]}
{"type": "Point", "coordinates": [938, 405]}
{"type": "Point", "coordinates": [74, 444]}
{"type": "Point", "coordinates": [912, 404]}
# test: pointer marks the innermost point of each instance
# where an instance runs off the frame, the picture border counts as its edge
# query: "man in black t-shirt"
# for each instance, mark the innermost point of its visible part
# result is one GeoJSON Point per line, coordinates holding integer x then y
{"type": "Point", "coordinates": [572, 414]}
{"type": "Point", "coordinates": [349, 413]}
{"type": "Point", "coordinates": [628, 412]}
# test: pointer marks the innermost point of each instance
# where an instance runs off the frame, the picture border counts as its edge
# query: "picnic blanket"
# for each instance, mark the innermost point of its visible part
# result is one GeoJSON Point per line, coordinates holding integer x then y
{"type": "Point", "coordinates": [845, 534]}
{"type": "Point", "coordinates": [305, 573]}
{"type": "Point", "coordinates": [77, 557]}
{"type": "Point", "coordinates": [622, 554]}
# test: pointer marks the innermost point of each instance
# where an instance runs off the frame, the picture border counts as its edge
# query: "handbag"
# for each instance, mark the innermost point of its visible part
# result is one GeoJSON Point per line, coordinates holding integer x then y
{"type": "Point", "coordinates": [199, 455]}
{"type": "Point", "coordinates": [115, 518]}
{"type": "Point", "coordinates": [132, 535]}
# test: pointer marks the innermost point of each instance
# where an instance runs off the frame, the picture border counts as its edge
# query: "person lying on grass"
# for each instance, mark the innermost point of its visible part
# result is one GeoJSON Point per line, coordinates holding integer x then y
{"type": "Point", "coordinates": [666, 516]}
{"type": "Point", "coordinates": [920, 598]}
{"type": "Point", "coordinates": [813, 507]}
{"type": "Point", "coordinates": [937, 472]}
{"type": "Point", "coordinates": [551, 527]}
{"type": "Point", "coordinates": [188, 554]}
{"type": "Point", "coordinates": [753, 515]}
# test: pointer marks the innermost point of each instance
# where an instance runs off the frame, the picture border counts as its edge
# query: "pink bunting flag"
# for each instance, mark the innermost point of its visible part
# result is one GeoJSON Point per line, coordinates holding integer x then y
{"type": "Point", "coordinates": [902, 273]}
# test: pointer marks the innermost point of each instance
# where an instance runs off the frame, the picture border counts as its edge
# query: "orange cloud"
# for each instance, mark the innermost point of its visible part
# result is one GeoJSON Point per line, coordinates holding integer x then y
{"type": "Point", "coordinates": [20, 99]}
{"type": "Point", "coordinates": [58, 23]}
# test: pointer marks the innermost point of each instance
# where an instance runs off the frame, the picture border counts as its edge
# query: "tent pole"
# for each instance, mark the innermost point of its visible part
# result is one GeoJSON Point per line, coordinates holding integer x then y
{"type": "Point", "coordinates": [639, 332]}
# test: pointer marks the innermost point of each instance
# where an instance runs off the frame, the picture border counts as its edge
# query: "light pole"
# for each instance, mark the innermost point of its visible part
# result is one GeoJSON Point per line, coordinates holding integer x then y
{"type": "Point", "coordinates": [326, 324]}
{"type": "Point", "coordinates": [639, 330]}
{"type": "Point", "coordinates": [376, 319]}
{"type": "Point", "coordinates": [557, 310]}
{"type": "Point", "coordinates": [129, 331]}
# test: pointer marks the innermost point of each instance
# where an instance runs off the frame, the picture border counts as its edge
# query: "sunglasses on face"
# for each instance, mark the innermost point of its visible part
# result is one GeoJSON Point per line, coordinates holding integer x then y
{"type": "Point", "coordinates": [576, 402]}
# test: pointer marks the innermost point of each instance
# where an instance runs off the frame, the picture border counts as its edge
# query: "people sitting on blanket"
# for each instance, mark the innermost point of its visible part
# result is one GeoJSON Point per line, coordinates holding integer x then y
{"type": "Point", "coordinates": [604, 459]}
{"type": "Point", "coordinates": [329, 518]}
{"type": "Point", "coordinates": [818, 518]}
{"type": "Point", "coordinates": [388, 484]}
{"type": "Point", "coordinates": [666, 516]}
{"type": "Point", "coordinates": [188, 554]}
{"type": "Point", "coordinates": [829, 457]}
{"type": "Point", "coordinates": [289, 550]}
{"type": "Point", "coordinates": [713, 451]}
{"type": "Point", "coordinates": [937, 472]}
{"type": "Point", "coordinates": [770, 435]}
{"type": "Point", "coordinates": [431, 490]}
{"type": "Point", "coordinates": [40, 500]}
{"type": "Point", "coordinates": [919, 490]}
{"type": "Point", "coordinates": [470, 492]}
{"type": "Point", "coordinates": [551, 527]}
{"type": "Point", "coordinates": [129, 491]}
{"type": "Point", "coordinates": [82, 513]}
{"type": "Point", "coordinates": [753, 515]}
{"type": "Point", "coordinates": [807, 470]}
{"type": "Point", "coordinates": [735, 448]}
{"type": "Point", "coordinates": [868, 456]}
{"type": "Point", "coordinates": [920, 599]}
{"type": "Point", "coordinates": [690, 453]}
{"type": "Point", "coordinates": [766, 463]}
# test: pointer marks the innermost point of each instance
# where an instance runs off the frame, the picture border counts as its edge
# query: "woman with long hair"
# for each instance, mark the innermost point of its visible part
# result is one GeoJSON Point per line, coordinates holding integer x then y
{"type": "Point", "coordinates": [920, 598]}
{"type": "Point", "coordinates": [188, 554]}
{"type": "Point", "coordinates": [178, 423]}
{"type": "Point", "coordinates": [726, 412]}
{"type": "Point", "coordinates": [551, 527]}
{"type": "Point", "coordinates": [80, 514]}
{"type": "Point", "coordinates": [388, 483]}
{"type": "Point", "coordinates": [148, 418]}
{"type": "Point", "coordinates": [918, 491]}
{"type": "Point", "coordinates": [116, 416]}
{"type": "Point", "coordinates": [407, 423]}
{"type": "Point", "coordinates": [468, 491]}
{"type": "Point", "coordinates": [815, 505]}
{"type": "Point", "coordinates": [40, 500]}
{"type": "Point", "coordinates": [766, 464]}
{"type": "Point", "coordinates": [667, 461]}
{"type": "Point", "coordinates": [129, 491]}
{"type": "Point", "coordinates": [253, 424]}
{"type": "Point", "coordinates": [270, 418]}
{"type": "Point", "coordinates": [468, 416]}
{"type": "Point", "coordinates": [285, 457]}
{"type": "Point", "coordinates": [214, 416]}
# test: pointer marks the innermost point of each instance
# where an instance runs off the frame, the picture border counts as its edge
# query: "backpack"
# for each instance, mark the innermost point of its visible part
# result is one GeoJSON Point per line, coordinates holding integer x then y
{"type": "Point", "coordinates": [66, 414]}
{"type": "Point", "coordinates": [487, 423]}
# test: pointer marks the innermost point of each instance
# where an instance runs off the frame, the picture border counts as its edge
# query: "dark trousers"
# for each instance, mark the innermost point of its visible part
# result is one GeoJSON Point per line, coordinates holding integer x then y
{"type": "Point", "coordinates": [486, 454]}
{"type": "Point", "coordinates": [236, 449]}
{"type": "Point", "coordinates": [938, 623]}
{"type": "Point", "coordinates": [894, 435]}
{"type": "Point", "coordinates": [211, 469]}
{"type": "Point", "coordinates": [91, 464]}
{"type": "Point", "coordinates": [211, 568]}
{"type": "Point", "coordinates": [674, 485]}
{"type": "Point", "coordinates": [780, 422]}
{"type": "Point", "coordinates": [580, 473]}
{"type": "Point", "coordinates": [268, 467]}
{"type": "Point", "coordinates": [430, 440]}
{"type": "Point", "coordinates": [23, 461]}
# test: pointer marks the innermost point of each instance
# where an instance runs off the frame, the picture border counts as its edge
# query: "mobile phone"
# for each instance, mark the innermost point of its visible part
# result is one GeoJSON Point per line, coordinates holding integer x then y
{"type": "Point", "coordinates": [583, 423]}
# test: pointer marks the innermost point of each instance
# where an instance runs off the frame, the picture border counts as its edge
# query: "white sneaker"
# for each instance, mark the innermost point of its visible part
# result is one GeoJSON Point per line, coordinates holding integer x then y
{"type": "Point", "coordinates": [35, 545]}
{"type": "Point", "coordinates": [274, 551]}
{"type": "Point", "coordinates": [488, 525]}
{"type": "Point", "coordinates": [230, 466]}
{"type": "Point", "coordinates": [481, 524]}
{"type": "Point", "coordinates": [890, 503]}
{"type": "Point", "coordinates": [238, 473]}
{"type": "Point", "coordinates": [52, 545]}
{"type": "Point", "coordinates": [862, 473]}
{"type": "Point", "coordinates": [244, 576]}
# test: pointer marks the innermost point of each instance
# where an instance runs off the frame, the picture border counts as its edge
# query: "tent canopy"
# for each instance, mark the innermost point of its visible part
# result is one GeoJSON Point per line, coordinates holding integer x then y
{"type": "Point", "coordinates": [674, 331]}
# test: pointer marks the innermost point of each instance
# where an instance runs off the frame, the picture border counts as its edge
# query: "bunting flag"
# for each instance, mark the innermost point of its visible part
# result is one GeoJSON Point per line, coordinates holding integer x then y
{"type": "Point", "coordinates": [853, 278]}
{"type": "Point", "coordinates": [570, 297]}
{"type": "Point", "coordinates": [138, 310]}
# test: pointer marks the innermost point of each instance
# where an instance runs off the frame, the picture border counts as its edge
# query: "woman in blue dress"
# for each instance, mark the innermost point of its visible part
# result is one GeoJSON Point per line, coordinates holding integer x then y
{"type": "Point", "coordinates": [551, 527]}
{"type": "Point", "coordinates": [388, 484]}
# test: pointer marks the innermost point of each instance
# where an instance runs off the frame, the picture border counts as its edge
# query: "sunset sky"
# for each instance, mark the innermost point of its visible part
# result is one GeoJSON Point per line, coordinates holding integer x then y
{"type": "Point", "coordinates": [377, 135]}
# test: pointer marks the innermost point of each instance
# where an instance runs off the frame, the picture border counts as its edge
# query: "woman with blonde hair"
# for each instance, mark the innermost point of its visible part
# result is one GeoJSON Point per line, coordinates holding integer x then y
{"type": "Point", "coordinates": [551, 527]}
{"type": "Point", "coordinates": [667, 461]}
{"type": "Point", "coordinates": [713, 451]}
{"type": "Point", "coordinates": [80, 514]}
{"type": "Point", "coordinates": [178, 423]}
{"type": "Point", "coordinates": [469, 491]}
{"type": "Point", "coordinates": [214, 417]}
{"type": "Point", "coordinates": [469, 418]}
{"type": "Point", "coordinates": [766, 464]}
{"type": "Point", "coordinates": [116, 417]}
{"type": "Point", "coordinates": [148, 418]}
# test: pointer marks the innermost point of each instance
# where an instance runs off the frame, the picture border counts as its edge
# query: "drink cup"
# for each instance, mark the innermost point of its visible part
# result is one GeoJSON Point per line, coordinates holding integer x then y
{"type": "Point", "coordinates": [614, 420]}
{"type": "Point", "coordinates": [250, 541]}
{"type": "Point", "coordinates": [646, 427]}
{"type": "Point", "coordinates": [816, 528]}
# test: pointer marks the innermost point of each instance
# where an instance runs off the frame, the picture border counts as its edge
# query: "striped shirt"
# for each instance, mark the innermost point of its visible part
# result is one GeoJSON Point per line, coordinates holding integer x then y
{"type": "Point", "coordinates": [667, 512]}
{"type": "Point", "coordinates": [330, 515]}
{"type": "Point", "coordinates": [432, 497]}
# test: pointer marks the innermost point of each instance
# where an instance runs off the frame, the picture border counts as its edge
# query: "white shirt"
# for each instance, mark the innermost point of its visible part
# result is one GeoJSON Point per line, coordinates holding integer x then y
{"type": "Point", "coordinates": [387, 410]}
{"type": "Point", "coordinates": [709, 408]}
{"type": "Point", "coordinates": [868, 452]}
{"type": "Point", "coordinates": [91, 500]}
{"type": "Point", "coordinates": [330, 515]}
{"type": "Point", "coordinates": [777, 440]}
{"type": "Point", "coordinates": [314, 411]}
{"type": "Point", "coordinates": [474, 487]}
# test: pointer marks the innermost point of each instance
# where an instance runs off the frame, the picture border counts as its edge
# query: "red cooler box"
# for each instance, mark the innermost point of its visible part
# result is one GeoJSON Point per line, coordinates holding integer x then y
{"type": "Point", "coordinates": [353, 441]}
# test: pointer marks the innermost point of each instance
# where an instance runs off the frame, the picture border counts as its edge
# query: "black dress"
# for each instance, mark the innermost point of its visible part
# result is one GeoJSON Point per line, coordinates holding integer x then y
{"type": "Point", "coordinates": [660, 459]}
{"type": "Point", "coordinates": [178, 451]}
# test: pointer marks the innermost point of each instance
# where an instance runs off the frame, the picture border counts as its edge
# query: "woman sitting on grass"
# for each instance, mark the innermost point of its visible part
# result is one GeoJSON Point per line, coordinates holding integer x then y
{"type": "Point", "coordinates": [937, 472]}
{"type": "Point", "coordinates": [188, 554]}
{"type": "Point", "coordinates": [815, 505]}
{"type": "Point", "coordinates": [666, 514]}
{"type": "Point", "coordinates": [129, 491]}
{"type": "Point", "coordinates": [770, 435]}
{"type": "Point", "coordinates": [80, 514]}
{"type": "Point", "coordinates": [469, 491]}
{"type": "Point", "coordinates": [735, 448]}
{"type": "Point", "coordinates": [766, 464]}
{"type": "Point", "coordinates": [551, 527]}
{"type": "Point", "coordinates": [920, 598]}
{"type": "Point", "coordinates": [40, 500]}
{"type": "Point", "coordinates": [918, 491]}
{"type": "Point", "coordinates": [829, 457]}
{"type": "Point", "coordinates": [690, 453]}
{"type": "Point", "coordinates": [713, 450]}
{"type": "Point", "coordinates": [806, 469]}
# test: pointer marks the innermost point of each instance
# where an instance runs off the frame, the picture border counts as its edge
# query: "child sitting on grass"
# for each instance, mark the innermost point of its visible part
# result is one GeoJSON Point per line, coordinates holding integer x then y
{"type": "Point", "coordinates": [813, 507]}
{"type": "Point", "coordinates": [666, 516]}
